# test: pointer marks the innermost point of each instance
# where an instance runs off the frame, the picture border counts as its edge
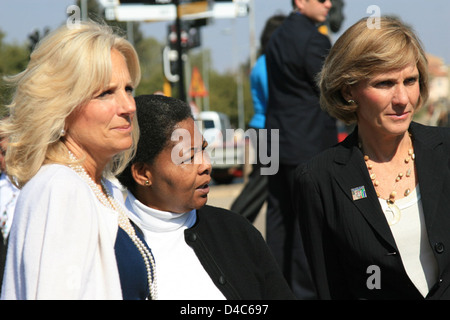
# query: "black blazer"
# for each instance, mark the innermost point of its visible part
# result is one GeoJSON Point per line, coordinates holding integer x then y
{"type": "Point", "coordinates": [3, 247]}
{"type": "Point", "coordinates": [294, 56]}
{"type": "Point", "coordinates": [236, 257]}
{"type": "Point", "coordinates": [343, 237]}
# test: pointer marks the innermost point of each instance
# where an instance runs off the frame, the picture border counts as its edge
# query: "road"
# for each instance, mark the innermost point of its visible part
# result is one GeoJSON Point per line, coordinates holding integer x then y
{"type": "Point", "coordinates": [223, 196]}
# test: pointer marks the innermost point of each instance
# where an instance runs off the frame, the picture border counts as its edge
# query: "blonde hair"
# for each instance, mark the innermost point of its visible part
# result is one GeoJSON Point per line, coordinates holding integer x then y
{"type": "Point", "coordinates": [65, 70]}
{"type": "Point", "coordinates": [362, 52]}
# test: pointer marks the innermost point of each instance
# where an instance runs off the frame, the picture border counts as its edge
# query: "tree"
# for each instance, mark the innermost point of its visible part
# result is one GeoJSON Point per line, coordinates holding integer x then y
{"type": "Point", "coordinates": [13, 59]}
{"type": "Point", "coordinates": [150, 58]}
{"type": "Point", "coordinates": [35, 37]}
{"type": "Point", "coordinates": [223, 96]}
{"type": "Point", "coordinates": [222, 88]}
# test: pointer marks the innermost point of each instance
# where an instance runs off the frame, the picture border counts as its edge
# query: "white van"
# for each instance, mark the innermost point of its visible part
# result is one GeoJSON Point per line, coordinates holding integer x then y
{"type": "Point", "coordinates": [226, 148]}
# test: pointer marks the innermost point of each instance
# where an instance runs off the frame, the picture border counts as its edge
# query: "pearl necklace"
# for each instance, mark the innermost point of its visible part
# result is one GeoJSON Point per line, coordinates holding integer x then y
{"type": "Point", "coordinates": [124, 223]}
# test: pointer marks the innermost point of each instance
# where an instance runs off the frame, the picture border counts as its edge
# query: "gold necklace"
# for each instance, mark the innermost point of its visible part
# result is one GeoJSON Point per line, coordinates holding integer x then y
{"type": "Point", "coordinates": [396, 213]}
{"type": "Point", "coordinates": [391, 200]}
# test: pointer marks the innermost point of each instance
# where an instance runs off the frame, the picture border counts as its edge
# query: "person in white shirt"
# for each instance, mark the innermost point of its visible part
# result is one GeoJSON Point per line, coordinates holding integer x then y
{"type": "Point", "coordinates": [8, 198]}
{"type": "Point", "coordinates": [201, 252]}
{"type": "Point", "coordinates": [71, 125]}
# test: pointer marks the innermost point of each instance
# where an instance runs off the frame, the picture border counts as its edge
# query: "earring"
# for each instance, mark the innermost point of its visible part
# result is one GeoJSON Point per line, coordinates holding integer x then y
{"type": "Point", "coordinates": [147, 183]}
{"type": "Point", "coordinates": [351, 101]}
{"type": "Point", "coordinates": [62, 133]}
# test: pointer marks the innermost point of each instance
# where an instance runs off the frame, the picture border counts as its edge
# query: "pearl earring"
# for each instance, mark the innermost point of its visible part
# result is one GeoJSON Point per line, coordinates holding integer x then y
{"type": "Point", "coordinates": [62, 133]}
{"type": "Point", "coordinates": [351, 101]}
{"type": "Point", "coordinates": [147, 183]}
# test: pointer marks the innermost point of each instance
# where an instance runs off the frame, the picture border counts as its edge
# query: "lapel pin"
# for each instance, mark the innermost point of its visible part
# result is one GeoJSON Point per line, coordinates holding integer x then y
{"type": "Point", "coordinates": [359, 193]}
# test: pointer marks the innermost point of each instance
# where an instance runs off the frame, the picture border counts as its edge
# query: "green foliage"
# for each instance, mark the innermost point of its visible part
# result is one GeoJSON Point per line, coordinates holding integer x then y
{"type": "Point", "coordinates": [150, 58]}
{"type": "Point", "coordinates": [224, 96]}
{"type": "Point", "coordinates": [223, 89]}
{"type": "Point", "coordinates": [13, 59]}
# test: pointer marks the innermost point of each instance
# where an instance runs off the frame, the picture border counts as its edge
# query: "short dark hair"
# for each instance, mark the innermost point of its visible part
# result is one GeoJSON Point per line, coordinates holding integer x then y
{"type": "Point", "coordinates": [271, 25]}
{"type": "Point", "coordinates": [157, 116]}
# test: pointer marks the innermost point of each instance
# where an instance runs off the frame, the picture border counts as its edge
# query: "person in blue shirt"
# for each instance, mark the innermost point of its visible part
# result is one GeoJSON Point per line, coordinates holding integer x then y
{"type": "Point", "coordinates": [260, 93]}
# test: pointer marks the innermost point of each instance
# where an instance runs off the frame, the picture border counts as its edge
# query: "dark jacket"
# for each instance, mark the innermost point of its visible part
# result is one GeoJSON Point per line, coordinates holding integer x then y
{"type": "Point", "coordinates": [3, 247]}
{"type": "Point", "coordinates": [235, 256]}
{"type": "Point", "coordinates": [344, 237]}
{"type": "Point", "coordinates": [294, 56]}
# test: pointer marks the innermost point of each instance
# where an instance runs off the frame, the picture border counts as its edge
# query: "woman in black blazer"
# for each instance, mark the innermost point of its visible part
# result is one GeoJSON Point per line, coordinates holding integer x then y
{"type": "Point", "coordinates": [374, 210]}
{"type": "Point", "coordinates": [201, 252]}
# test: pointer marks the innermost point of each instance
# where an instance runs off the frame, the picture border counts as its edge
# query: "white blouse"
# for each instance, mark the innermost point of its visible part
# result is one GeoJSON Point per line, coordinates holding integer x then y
{"type": "Point", "coordinates": [179, 273]}
{"type": "Point", "coordinates": [411, 237]}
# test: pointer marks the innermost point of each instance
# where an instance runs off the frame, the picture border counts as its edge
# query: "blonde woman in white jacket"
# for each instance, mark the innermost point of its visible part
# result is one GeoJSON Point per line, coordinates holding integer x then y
{"type": "Point", "coordinates": [72, 124]}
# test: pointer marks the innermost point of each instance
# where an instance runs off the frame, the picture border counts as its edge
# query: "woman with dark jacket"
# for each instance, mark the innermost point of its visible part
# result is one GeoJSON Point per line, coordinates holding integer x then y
{"type": "Point", "coordinates": [201, 252]}
{"type": "Point", "coordinates": [374, 210]}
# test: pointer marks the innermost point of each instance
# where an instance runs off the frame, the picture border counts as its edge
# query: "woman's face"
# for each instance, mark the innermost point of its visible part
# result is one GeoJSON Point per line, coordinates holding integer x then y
{"type": "Point", "coordinates": [387, 101]}
{"type": "Point", "coordinates": [180, 175]}
{"type": "Point", "coordinates": [103, 127]}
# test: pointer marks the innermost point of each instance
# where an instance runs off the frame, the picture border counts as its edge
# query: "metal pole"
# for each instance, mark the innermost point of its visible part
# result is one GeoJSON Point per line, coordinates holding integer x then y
{"type": "Point", "coordinates": [205, 60]}
{"type": "Point", "coordinates": [130, 32]}
{"type": "Point", "coordinates": [253, 44]}
{"type": "Point", "coordinates": [239, 85]}
{"type": "Point", "coordinates": [84, 10]}
{"type": "Point", "coordinates": [181, 87]}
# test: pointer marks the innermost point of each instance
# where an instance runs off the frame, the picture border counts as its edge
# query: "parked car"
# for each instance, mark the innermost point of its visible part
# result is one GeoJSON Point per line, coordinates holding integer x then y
{"type": "Point", "coordinates": [226, 146]}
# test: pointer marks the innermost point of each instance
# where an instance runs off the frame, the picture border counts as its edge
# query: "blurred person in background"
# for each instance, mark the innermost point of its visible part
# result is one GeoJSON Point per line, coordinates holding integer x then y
{"type": "Point", "coordinates": [8, 198]}
{"type": "Point", "coordinates": [252, 198]}
{"type": "Point", "coordinates": [294, 57]}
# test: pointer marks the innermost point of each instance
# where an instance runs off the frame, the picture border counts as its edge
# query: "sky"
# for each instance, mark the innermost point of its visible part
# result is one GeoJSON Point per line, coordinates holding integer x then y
{"type": "Point", "coordinates": [229, 39]}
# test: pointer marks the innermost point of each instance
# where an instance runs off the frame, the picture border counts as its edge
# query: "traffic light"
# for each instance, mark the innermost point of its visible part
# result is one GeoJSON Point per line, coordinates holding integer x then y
{"type": "Point", "coordinates": [190, 35]}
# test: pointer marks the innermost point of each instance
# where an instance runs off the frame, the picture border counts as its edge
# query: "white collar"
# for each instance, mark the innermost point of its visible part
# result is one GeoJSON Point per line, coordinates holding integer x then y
{"type": "Point", "coordinates": [155, 220]}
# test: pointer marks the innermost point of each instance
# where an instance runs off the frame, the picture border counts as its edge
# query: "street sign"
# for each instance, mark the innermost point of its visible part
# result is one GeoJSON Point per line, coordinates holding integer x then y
{"type": "Point", "coordinates": [176, 10]}
{"type": "Point", "coordinates": [197, 87]}
{"type": "Point", "coordinates": [165, 10]}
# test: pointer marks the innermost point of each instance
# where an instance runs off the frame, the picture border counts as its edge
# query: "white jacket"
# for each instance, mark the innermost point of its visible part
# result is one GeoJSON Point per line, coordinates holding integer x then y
{"type": "Point", "coordinates": [62, 239]}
